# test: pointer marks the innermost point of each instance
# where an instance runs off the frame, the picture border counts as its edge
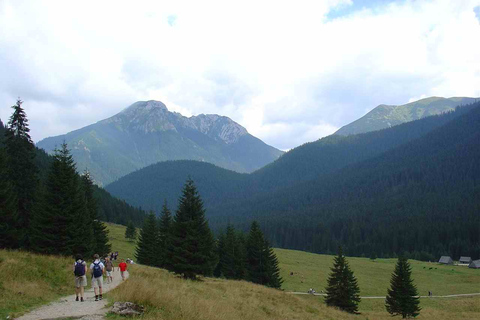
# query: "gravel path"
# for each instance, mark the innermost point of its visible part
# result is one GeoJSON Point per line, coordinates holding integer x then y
{"type": "Point", "coordinates": [67, 306]}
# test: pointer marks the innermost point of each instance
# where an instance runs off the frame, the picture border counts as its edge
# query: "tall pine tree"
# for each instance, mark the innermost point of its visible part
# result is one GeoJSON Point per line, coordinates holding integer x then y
{"type": "Point", "coordinates": [8, 231]}
{"type": "Point", "coordinates": [99, 232]}
{"type": "Point", "coordinates": [146, 250]}
{"type": "Point", "coordinates": [262, 263]}
{"type": "Point", "coordinates": [130, 232]}
{"type": "Point", "coordinates": [402, 296]}
{"type": "Point", "coordinates": [164, 237]}
{"type": "Point", "coordinates": [192, 248]}
{"type": "Point", "coordinates": [62, 218]}
{"type": "Point", "coordinates": [342, 289]}
{"type": "Point", "coordinates": [22, 173]}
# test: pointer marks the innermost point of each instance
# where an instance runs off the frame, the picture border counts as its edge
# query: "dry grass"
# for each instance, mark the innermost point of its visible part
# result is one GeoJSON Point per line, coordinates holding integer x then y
{"type": "Point", "coordinates": [28, 280]}
{"type": "Point", "coordinates": [166, 296]}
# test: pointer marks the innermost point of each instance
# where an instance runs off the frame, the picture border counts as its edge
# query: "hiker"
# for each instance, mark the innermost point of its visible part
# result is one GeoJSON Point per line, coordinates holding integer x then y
{"type": "Point", "coordinates": [109, 267]}
{"type": "Point", "coordinates": [123, 267]}
{"type": "Point", "coordinates": [97, 268]}
{"type": "Point", "coordinates": [80, 271]}
{"type": "Point", "coordinates": [116, 255]}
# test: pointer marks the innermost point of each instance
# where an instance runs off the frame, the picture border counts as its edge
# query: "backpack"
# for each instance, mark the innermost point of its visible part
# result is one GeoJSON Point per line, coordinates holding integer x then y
{"type": "Point", "coordinates": [97, 270]}
{"type": "Point", "coordinates": [109, 266]}
{"type": "Point", "coordinates": [79, 269]}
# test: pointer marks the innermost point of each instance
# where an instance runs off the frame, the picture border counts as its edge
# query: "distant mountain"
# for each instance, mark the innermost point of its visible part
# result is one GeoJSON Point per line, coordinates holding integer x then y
{"type": "Point", "coordinates": [386, 116]}
{"type": "Point", "coordinates": [146, 133]}
{"type": "Point", "coordinates": [413, 187]}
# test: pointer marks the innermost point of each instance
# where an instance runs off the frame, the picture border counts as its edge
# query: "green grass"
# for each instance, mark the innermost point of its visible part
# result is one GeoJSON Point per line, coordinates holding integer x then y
{"type": "Point", "coordinates": [28, 280]}
{"type": "Point", "coordinates": [125, 248]}
{"type": "Point", "coordinates": [312, 270]}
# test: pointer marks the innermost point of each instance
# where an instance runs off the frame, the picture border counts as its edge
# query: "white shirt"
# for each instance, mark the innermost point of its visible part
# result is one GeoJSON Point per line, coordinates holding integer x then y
{"type": "Point", "coordinates": [99, 263]}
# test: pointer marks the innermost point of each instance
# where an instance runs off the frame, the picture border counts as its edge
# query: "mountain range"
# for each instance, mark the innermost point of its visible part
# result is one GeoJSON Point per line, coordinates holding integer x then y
{"type": "Point", "coordinates": [146, 133]}
{"type": "Point", "coordinates": [413, 187]}
{"type": "Point", "coordinates": [386, 116]}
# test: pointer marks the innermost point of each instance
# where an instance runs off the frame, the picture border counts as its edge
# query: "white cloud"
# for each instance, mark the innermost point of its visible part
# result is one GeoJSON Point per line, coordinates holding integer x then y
{"type": "Point", "coordinates": [279, 68]}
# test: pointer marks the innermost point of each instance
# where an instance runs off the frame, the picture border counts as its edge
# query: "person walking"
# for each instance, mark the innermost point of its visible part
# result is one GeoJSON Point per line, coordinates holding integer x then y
{"type": "Point", "coordinates": [97, 268]}
{"type": "Point", "coordinates": [123, 267]}
{"type": "Point", "coordinates": [109, 267]}
{"type": "Point", "coordinates": [80, 272]}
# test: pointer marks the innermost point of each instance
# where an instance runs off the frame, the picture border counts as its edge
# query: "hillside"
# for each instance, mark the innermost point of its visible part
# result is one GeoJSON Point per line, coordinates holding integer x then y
{"type": "Point", "coordinates": [146, 133]}
{"type": "Point", "coordinates": [110, 208]}
{"type": "Point", "coordinates": [339, 189]}
{"type": "Point", "coordinates": [386, 116]}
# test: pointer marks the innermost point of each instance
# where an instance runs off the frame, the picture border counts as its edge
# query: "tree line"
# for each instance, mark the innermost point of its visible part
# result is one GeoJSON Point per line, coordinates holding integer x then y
{"type": "Point", "coordinates": [54, 214]}
{"type": "Point", "coordinates": [185, 245]}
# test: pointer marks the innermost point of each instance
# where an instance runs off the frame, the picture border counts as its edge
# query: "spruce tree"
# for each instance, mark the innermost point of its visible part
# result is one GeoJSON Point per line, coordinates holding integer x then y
{"type": "Point", "coordinates": [402, 296]}
{"type": "Point", "coordinates": [192, 247]}
{"type": "Point", "coordinates": [262, 263]}
{"type": "Point", "coordinates": [164, 237]}
{"type": "Point", "coordinates": [229, 267]}
{"type": "Point", "coordinates": [220, 251]}
{"type": "Point", "coordinates": [22, 173]}
{"type": "Point", "coordinates": [130, 232]}
{"type": "Point", "coordinates": [240, 256]}
{"type": "Point", "coordinates": [273, 271]}
{"type": "Point", "coordinates": [146, 250]}
{"type": "Point", "coordinates": [342, 289]}
{"type": "Point", "coordinates": [99, 232]}
{"type": "Point", "coordinates": [8, 231]}
{"type": "Point", "coordinates": [58, 225]}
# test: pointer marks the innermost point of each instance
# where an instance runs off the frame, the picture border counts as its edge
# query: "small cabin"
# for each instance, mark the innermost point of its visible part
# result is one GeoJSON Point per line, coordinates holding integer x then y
{"type": "Point", "coordinates": [445, 260]}
{"type": "Point", "coordinates": [465, 260]}
{"type": "Point", "coordinates": [475, 264]}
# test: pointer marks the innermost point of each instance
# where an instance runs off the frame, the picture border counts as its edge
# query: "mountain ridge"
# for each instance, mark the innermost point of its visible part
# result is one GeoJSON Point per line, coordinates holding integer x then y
{"type": "Point", "coordinates": [146, 132]}
{"type": "Point", "coordinates": [385, 116]}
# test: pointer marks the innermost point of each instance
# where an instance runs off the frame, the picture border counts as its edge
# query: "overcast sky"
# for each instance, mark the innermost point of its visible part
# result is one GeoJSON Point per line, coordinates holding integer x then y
{"type": "Point", "coordinates": [289, 71]}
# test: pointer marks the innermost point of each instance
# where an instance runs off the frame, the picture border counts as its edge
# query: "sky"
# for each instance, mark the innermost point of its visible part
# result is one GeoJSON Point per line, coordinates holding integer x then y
{"type": "Point", "coordinates": [290, 72]}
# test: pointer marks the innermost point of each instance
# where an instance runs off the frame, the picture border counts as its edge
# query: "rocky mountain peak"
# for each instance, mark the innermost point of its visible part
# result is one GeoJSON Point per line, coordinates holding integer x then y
{"type": "Point", "coordinates": [153, 116]}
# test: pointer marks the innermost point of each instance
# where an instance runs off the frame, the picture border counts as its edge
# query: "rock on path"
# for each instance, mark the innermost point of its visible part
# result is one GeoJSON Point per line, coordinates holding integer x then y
{"type": "Point", "coordinates": [68, 307]}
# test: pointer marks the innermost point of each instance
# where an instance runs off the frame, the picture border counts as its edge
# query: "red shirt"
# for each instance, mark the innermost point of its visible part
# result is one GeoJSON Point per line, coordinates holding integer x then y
{"type": "Point", "coordinates": [122, 266]}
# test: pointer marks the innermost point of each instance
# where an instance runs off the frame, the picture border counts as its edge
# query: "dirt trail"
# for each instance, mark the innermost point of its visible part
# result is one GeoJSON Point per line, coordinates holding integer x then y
{"type": "Point", "coordinates": [68, 307]}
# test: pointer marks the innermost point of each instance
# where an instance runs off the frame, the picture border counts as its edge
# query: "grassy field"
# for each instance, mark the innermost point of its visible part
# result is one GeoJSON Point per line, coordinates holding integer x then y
{"type": "Point", "coordinates": [311, 271]}
{"type": "Point", "coordinates": [166, 296]}
{"type": "Point", "coordinates": [125, 248]}
{"type": "Point", "coordinates": [28, 280]}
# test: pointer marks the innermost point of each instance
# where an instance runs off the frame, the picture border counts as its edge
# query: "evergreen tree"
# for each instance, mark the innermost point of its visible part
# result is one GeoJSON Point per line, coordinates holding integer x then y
{"type": "Point", "coordinates": [262, 263]}
{"type": "Point", "coordinates": [240, 257]}
{"type": "Point", "coordinates": [164, 237]}
{"type": "Point", "coordinates": [229, 267]}
{"type": "Point", "coordinates": [57, 226]}
{"type": "Point", "coordinates": [22, 173]}
{"type": "Point", "coordinates": [130, 232]}
{"type": "Point", "coordinates": [193, 247]}
{"type": "Point", "coordinates": [220, 251]}
{"type": "Point", "coordinates": [99, 232]}
{"type": "Point", "coordinates": [273, 279]}
{"type": "Point", "coordinates": [342, 289]}
{"type": "Point", "coordinates": [8, 232]}
{"type": "Point", "coordinates": [146, 250]}
{"type": "Point", "coordinates": [402, 296]}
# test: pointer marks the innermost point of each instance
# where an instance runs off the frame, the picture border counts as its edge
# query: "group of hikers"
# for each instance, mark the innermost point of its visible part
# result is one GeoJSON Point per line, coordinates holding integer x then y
{"type": "Point", "coordinates": [98, 268]}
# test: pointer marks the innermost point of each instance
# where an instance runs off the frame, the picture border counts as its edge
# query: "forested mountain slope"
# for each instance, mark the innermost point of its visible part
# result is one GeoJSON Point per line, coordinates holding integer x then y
{"type": "Point", "coordinates": [146, 133]}
{"type": "Point", "coordinates": [149, 187]}
{"type": "Point", "coordinates": [110, 209]}
{"type": "Point", "coordinates": [412, 187]}
{"type": "Point", "coordinates": [421, 196]}
{"type": "Point", "coordinates": [386, 116]}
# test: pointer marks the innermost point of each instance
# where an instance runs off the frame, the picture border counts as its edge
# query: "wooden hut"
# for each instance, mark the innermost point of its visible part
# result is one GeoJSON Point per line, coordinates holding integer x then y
{"type": "Point", "coordinates": [445, 260]}
{"type": "Point", "coordinates": [475, 264]}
